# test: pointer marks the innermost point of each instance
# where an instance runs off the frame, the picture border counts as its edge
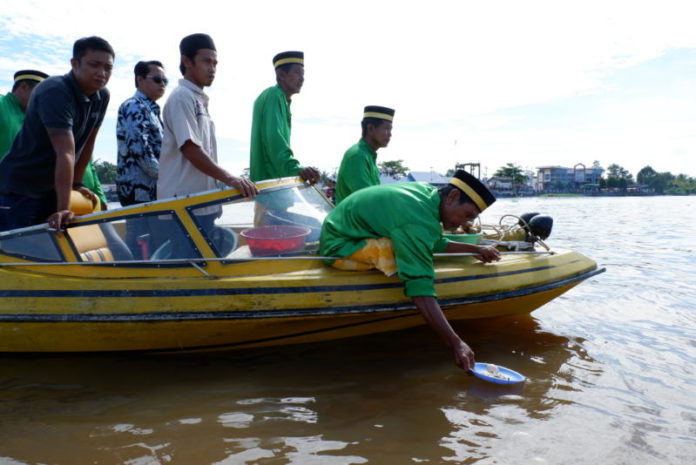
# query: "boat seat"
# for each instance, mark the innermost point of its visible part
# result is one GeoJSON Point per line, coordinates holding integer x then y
{"type": "Point", "coordinates": [99, 243]}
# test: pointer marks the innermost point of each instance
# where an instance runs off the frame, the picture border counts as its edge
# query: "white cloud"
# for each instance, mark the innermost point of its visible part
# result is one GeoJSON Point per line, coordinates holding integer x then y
{"type": "Point", "coordinates": [450, 68]}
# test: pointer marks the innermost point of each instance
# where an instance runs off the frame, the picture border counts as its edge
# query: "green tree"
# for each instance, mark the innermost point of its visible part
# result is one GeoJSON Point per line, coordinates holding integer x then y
{"type": "Point", "coordinates": [106, 172]}
{"type": "Point", "coordinates": [512, 171]}
{"type": "Point", "coordinates": [646, 175]}
{"type": "Point", "coordinates": [683, 184]}
{"type": "Point", "coordinates": [618, 177]}
{"type": "Point", "coordinates": [659, 182]}
{"type": "Point", "coordinates": [393, 168]}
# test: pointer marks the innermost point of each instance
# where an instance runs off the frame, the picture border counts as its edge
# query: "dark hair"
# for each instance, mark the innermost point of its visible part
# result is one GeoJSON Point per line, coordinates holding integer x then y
{"type": "Point", "coordinates": [142, 69]}
{"type": "Point", "coordinates": [81, 46]}
{"type": "Point", "coordinates": [463, 198]}
{"type": "Point", "coordinates": [373, 121]}
{"type": "Point", "coordinates": [191, 54]}
{"type": "Point", "coordinates": [192, 57]}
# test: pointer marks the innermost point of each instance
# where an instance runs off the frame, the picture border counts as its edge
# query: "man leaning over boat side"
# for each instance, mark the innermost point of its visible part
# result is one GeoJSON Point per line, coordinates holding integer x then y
{"type": "Point", "coordinates": [189, 160]}
{"type": "Point", "coordinates": [271, 156]}
{"type": "Point", "coordinates": [359, 165]}
{"type": "Point", "coordinates": [50, 153]}
{"type": "Point", "coordinates": [403, 238]}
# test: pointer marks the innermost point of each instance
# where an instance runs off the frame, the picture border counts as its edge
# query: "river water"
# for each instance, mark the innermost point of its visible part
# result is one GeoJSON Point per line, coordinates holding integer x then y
{"type": "Point", "coordinates": [610, 369]}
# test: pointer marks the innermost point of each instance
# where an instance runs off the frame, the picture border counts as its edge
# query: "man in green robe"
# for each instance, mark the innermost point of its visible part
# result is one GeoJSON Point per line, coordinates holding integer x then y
{"type": "Point", "coordinates": [411, 216]}
{"type": "Point", "coordinates": [359, 165]}
{"type": "Point", "coordinates": [271, 156]}
{"type": "Point", "coordinates": [14, 104]}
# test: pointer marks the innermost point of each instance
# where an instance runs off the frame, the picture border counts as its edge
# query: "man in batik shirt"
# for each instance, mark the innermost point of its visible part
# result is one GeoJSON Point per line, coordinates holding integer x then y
{"type": "Point", "coordinates": [139, 136]}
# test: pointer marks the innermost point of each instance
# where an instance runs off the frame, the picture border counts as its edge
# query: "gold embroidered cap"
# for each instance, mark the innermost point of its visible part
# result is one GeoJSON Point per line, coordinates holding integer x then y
{"type": "Point", "coordinates": [29, 75]}
{"type": "Point", "coordinates": [475, 189]}
{"type": "Point", "coordinates": [288, 57]}
{"type": "Point", "coordinates": [375, 111]}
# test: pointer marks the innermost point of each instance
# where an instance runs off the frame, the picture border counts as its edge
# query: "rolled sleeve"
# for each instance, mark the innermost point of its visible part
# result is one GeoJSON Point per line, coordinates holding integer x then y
{"type": "Point", "coordinates": [440, 245]}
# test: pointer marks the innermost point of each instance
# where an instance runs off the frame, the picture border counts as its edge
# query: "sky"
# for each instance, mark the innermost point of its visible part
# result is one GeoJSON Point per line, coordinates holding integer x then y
{"type": "Point", "coordinates": [532, 83]}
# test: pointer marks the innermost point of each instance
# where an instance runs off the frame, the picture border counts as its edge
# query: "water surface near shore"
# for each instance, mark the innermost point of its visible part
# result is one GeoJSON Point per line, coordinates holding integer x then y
{"type": "Point", "coordinates": [610, 368]}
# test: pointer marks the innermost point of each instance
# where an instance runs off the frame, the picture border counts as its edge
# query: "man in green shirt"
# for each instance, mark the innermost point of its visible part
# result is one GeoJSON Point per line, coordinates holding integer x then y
{"type": "Point", "coordinates": [411, 216]}
{"type": "Point", "coordinates": [271, 156]}
{"type": "Point", "coordinates": [359, 165]}
{"type": "Point", "coordinates": [14, 104]}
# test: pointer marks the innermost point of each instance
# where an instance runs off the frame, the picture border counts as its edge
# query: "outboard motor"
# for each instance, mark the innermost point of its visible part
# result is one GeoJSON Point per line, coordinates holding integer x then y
{"type": "Point", "coordinates": [540, 226]}
{"type": "Point", "coordinates": [525, 218]}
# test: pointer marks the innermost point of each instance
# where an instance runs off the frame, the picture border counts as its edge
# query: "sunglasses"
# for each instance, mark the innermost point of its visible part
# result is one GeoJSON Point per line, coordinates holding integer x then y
{"type": "Point", "coordinates": [158, 79]}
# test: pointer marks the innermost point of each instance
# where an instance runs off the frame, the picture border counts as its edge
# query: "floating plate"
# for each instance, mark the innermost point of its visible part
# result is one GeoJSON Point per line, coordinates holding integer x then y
{"type": "Point", "coordinates": [496, 374]}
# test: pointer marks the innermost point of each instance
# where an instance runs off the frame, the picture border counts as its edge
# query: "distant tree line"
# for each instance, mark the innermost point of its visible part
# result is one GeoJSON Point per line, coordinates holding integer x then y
{"type": "Point", "coordinates": [660, 183]}
{"type": "Point", "coordinates": [616, 177]}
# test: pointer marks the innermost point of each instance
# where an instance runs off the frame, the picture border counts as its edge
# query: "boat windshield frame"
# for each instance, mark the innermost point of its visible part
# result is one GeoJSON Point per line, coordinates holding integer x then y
{"type": "Point", "coordinates": [180, 209]}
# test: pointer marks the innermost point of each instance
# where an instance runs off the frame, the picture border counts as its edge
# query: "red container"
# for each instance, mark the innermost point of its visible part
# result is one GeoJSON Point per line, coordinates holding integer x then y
{"type": "Point", "coordinates": [275, 240]}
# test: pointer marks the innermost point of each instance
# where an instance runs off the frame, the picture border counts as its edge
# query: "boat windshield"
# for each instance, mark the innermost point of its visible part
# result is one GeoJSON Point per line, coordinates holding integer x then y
{"type": "Point", "coordinates": [279, 221]}
{"type": "Point", "coordinates": [39, 245]}
{"type": "Point", "coordinates": [284, 219]}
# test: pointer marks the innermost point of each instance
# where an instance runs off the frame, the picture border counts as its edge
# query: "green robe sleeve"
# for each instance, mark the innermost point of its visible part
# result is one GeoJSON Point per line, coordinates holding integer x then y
{"type": "Point", "coordinates": [276, 130]}
{"type": "Point", "coordinates": [91, 181]}
{"type": "Point", "coordinates": [414, 259]}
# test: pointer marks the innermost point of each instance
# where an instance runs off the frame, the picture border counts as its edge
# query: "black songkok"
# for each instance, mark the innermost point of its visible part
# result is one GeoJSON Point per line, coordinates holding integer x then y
{"type": "Point", "coordinates": [29, 75]}
{"type": "Point", "coordinates": [191, 44]}
{"type": "Point", "coordinates": [375, 111]}
{"type": "Point", "coordinates": [471, 186]}
{"type": "Point", "coordinates": [288, 57]}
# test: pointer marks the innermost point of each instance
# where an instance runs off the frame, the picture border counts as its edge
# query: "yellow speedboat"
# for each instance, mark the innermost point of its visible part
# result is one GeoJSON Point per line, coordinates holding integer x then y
{"type": "Point", "coordinates": [188, 274]}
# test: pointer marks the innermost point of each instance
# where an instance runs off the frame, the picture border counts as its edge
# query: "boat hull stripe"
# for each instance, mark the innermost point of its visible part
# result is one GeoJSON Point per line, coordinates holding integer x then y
{"type": "Point", "coordinates": [17, 293]}
{"type": "Point", "coordinates": [299, 312]}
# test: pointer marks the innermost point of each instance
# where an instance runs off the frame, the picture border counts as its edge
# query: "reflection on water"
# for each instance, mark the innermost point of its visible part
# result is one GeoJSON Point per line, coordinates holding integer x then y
{"type": "Point", "coordinates": [609, 367]}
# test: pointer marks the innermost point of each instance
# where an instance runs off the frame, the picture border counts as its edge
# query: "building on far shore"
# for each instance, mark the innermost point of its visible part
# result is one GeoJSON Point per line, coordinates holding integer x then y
{"type": "Point", "coordinates": [560, 178]}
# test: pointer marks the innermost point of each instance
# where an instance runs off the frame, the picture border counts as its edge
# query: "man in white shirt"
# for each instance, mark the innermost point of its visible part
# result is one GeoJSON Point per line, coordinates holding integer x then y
{"type": "Point", "coordinates": [188, 162]}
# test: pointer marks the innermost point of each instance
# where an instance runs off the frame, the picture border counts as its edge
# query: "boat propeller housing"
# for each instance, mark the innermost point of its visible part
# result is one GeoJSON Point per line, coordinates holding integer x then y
{"type": "Point", "coordinates": [537, 226]}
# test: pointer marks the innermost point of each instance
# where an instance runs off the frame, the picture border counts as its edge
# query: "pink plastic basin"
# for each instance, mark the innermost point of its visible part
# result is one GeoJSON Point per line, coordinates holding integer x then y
{"type": "Point", "coordinates": [275, 240]}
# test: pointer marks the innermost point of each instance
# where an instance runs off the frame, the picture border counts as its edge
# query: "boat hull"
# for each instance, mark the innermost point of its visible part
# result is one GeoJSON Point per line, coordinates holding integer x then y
{"type": "Point", "coordinates": [50, 313]}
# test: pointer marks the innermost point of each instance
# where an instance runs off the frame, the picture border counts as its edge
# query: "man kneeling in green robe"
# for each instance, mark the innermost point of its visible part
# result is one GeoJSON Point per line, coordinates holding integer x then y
{"type": "Point", "coordinates": [406, 220]}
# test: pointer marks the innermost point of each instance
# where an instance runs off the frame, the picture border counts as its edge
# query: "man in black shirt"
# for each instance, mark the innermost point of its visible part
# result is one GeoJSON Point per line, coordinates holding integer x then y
{"type": "Point", "coordinates": [48, 157]}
